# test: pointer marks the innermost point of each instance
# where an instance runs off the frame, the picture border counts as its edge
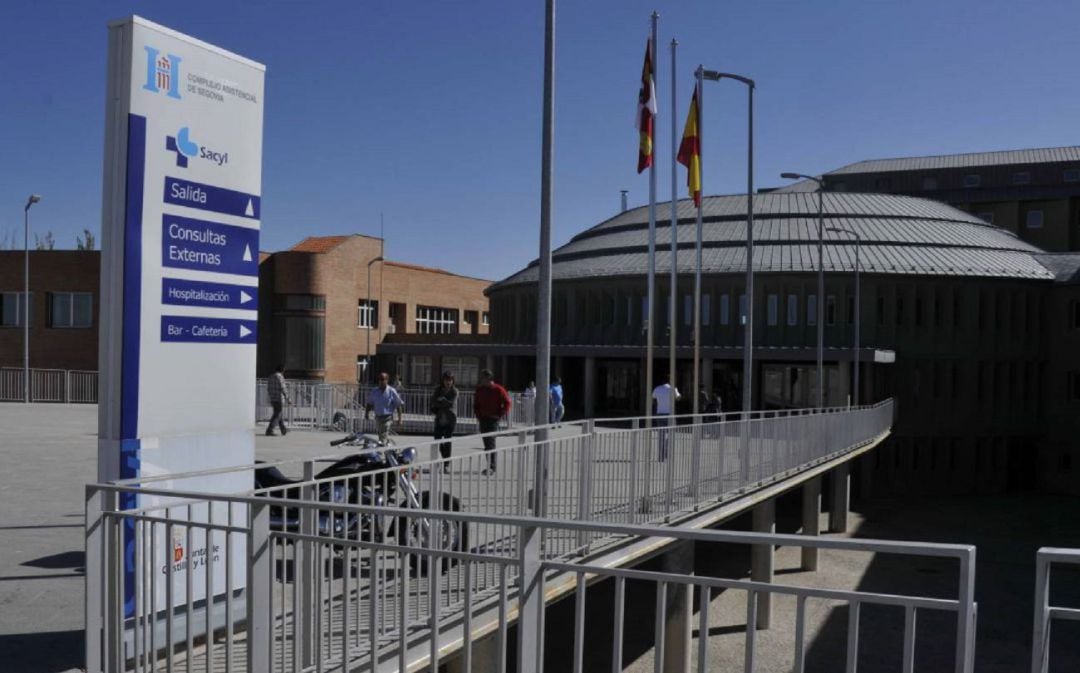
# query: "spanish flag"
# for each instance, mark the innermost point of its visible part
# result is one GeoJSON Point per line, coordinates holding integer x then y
{"type": "Point", "coordinates": [690, 150]}
{"type": "Point", "coordinates": [646, 111]}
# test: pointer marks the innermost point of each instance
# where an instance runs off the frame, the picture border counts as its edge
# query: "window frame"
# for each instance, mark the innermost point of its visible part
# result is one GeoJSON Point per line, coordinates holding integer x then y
{"type": "Point", "coordinates": [19, 310]}
{"type": "Point", "coordinates": [972, 180]}
{"type": "Point", "coordinates": [71, 310]}
{"type": "Point", "coordinates": [370, 310]}
{"type": "Point", "coordinates": [1041, 219]}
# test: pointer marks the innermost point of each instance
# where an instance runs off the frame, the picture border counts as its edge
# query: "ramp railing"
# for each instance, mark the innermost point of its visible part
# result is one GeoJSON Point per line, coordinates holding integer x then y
{"type": "Point", "coordinates": [1045, 612]}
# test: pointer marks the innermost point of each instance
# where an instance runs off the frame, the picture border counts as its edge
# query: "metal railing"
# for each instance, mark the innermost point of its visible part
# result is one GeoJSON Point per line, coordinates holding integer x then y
{"type": "Point", "coordinates": [340, 406]}
{"type": "Point", "coordinates": [305, 574]}
{"type": "Point", "coordinates": [1045, 613]}
{"type": "Point", "coordinates": [49, 385]}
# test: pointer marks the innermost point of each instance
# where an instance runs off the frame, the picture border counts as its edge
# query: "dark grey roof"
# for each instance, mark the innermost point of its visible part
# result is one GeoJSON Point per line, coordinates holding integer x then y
{"type": "Point", "coordinates": [1065, 266]}
{"type": "Point", "coordinates": [1046, 155]}
{"type": "Point", "coordinates": [900, 235]}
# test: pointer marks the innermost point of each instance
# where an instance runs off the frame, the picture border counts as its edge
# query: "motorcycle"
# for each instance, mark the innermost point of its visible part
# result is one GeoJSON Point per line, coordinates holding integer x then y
{"type": "Point", "coordinates": [369, 478]}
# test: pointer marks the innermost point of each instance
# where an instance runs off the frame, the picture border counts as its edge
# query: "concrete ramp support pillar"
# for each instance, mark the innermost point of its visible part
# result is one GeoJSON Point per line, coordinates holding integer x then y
{"type": "Point", "coordinates": [762, 560]}
{"type": "Point", "coordinates": [678, 616]}
{"type": "Point", "coordinates": [811, 520]}
{"type": "Point", "coordinates": [841, 499]}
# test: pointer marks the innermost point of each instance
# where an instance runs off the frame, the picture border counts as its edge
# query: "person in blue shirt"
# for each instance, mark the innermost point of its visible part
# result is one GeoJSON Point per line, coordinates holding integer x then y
{"type": "Point", "coordinates": [384, 400]}
{"type": "Point", "coordinates": [557, 408]}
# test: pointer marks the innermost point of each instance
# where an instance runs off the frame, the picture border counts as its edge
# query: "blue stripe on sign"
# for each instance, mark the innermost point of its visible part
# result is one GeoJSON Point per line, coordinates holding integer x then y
{"type": "Point", "coordinates": [187, 243]}
{"type": "Point", "coordinates": [129, 357]}
{"type": "Point", "coordinates": [208, 197]}
{"type": "Point", "coordinates": [180, 292]}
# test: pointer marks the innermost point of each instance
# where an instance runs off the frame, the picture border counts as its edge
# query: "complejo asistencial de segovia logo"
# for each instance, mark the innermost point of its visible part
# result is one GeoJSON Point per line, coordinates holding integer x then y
{"type": "Point", "coordinates": [162, 72]}
{"type": "Point", "coordinates": [186, 148]}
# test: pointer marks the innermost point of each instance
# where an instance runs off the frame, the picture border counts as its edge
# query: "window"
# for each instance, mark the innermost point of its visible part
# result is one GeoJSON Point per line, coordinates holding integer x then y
{"type": "Point", "coordinates": [629, 310]}
{"type": "Point", "coordinates": [725, 309]}
{"type": "Point", "coordinates": [881, 310]}
{"type": "Point", "coordinates": [792, 310]}
{"type": "Point", "coordinates": [1034, 219]}
{"type": "Point", "coordinates": [742, 309]}
{"type": "Point", "coordinates": [987, 217]}
{"type": "Point", "coordinates": [830, 310]}
{"type": "Point", "coordinates": [645, 311]}
{"type": "Point", "coordinates": [929, 182]}
{"type": "Point", "coordinates": [608, 311]}
{"type": "Point", "coordinates": [421, 370]}
{"type": "Point", "coordinates": [972, 180]}
{"type": "Point", "coordinates": [435, 320]}
{"type": "Point", "coordinates": [811, 310]}
{"type": "Point", "coordinates": [774, 310]}
{"type": "Point", "coordinates": [367, 315]}
{"type": "Point", "coordinates": [688, 309]}
{"type": "Point", "coordinates": [70, 309]}
{"type": "Point", "coordinates": [918, 310]}
{"type": "Point", "coordinates": [485, 319]}
{"type": "Point", "coordinates": [1071, 175]}
{"type": "Point", "coordinates": [851, 310]}
{"type": "Point", "coordinates": [11, 309]}
{"type": "Point", "coordinates": [706, 310]}
{"type": "Point", "coordinates": [1021, 178]}
{"type": "Point", "coordinates": [302, 302]}
{"type": "Point", "coordinates": [464, 369]}
{"type": "Point", "coordinates": [899, 311]}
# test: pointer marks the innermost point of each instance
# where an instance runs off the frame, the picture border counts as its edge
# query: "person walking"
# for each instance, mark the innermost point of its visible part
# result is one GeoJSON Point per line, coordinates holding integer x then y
{"type": "Point", "coordinates": [665, 396]}
{"type": "Point", "coordinates": [276, 390]}
{"type": "Point", "coordinates": [384, 400]}
{"type": "Point", "coordinates": [557, 408]}
{"type": "Point", "coordinates": [490, 403]}
{"type": "Point", "coordinates": [444, 406]}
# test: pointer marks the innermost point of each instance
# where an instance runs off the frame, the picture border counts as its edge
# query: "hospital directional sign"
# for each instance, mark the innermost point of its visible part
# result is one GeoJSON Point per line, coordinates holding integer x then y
{"type": "Point", "coordinates": [182, 192]}
{"type": "Point", "coordinates": [209, 246]}
{"type": "Point", "coordinates": [188, 329]}
{"type": "Point", "coordinates": [180, 292]}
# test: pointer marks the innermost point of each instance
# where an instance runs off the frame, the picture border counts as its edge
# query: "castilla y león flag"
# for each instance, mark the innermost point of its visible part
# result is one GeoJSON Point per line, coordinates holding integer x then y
{"type": "Point", "coordinates": [646, 111]}
{"type": "Point", "coordinates": [690, 150]}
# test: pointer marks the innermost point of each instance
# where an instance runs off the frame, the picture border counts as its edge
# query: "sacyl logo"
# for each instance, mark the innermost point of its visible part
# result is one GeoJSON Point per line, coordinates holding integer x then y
{"type": "Point", "coordinates": [185, 147]}
{"type": "Point", "coordinates": [162, 73]}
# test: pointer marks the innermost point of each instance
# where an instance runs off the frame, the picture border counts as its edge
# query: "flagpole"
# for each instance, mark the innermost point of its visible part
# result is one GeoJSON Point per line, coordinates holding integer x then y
{"type": "Point", "coordinates": [651, 300]}
{"type": "Point", "coordinates": [697, 244]}
{"type": "Point", "coordinates": [673, 309]}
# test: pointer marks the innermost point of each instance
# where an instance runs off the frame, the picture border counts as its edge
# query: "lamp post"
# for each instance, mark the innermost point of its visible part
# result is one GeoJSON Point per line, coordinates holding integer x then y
{"type": "Point", "coordinates": [370, 321]}
{"type": "Point", "coordinates": [858, 304]}
{"type": "Point", "coordinates": [820, 283]}
{"type": "Point", "coordinates": [748, 329]}
{"type": "Point", "coordinates": [34, 198]}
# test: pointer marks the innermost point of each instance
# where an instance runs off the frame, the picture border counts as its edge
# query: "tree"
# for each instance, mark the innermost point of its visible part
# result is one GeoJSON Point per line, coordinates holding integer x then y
{"type": "Point", "coordinates": [46, 242]}
{"type": "Point", "coordinates": [86, 241]}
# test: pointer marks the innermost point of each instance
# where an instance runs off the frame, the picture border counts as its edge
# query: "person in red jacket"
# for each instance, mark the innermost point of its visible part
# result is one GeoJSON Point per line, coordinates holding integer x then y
{"type": "Point", "coordinates": [490, 403]}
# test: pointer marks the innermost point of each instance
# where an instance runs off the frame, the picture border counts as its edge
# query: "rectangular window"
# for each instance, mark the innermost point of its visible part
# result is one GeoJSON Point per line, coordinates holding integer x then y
{"type": "Point", "coordinates": [706, 310]}
{"type": "Point", "coordinates": [725, 309]}
{"type": "Point", "coordinates": [851, 310]}
{"type": "Point", "coordinates": [811, 310]}
{"type": "Point", "coordinates": [929, 182]}
{"type": "Point", "coordinates": [830, 310]}
{"type": "Point", "coordinates": [688, 309]}
{"type": "Point", "coordinates": [1071, 175]}
{"type": "Point", "coordinates": [629, 310]}
{"type": "Point", "coordinates": [367, 315]}
{"type": "Point", "coordinates": [70, 309]}
{"type": "Point", "coordinates": [1021, 178]}
{"type": "Point", "coordinates": [792, 310]}
{"type": "Point", "coordinates": [881, 310]}
{"type": "Point", "coordinates": [972, 180]}
{"type": "Point", "coordinates": [742, 309]}
{"type": "Point", "coordinates": [918, 310]}
{"type": "Point", "coordinates": [465, 369]}
{"type": "Point", "coordinates": [1034, 219]}
{"type": "Point", "coordinates": [609, 311]}
{"type": "Point", "coordinates": [11, 309]}
{"type": "Point", "coordinates": [957, 309]}
{"type": "Point", "coordinates": [485, 319]}
{"type": "Point", "coordinates": [436, 320]}
{"type": "Point", "coordinates": [899, 311]}
{"type": "Point", "coordinates": [645, 311]}
{"type": "Point", "coordinates": [421, 370]}
{"type": "Point", "coordinates": [987, 217]}
{"type": "Point", "coordinates": [774, 310]}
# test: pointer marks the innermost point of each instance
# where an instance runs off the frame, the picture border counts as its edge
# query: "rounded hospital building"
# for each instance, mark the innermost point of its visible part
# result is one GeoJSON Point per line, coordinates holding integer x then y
{"type": "Point", "coordinates": [969, 328]}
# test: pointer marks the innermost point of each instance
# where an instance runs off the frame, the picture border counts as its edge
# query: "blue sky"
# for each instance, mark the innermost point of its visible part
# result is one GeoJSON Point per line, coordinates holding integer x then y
{"type": "Point", "coordinates": [428, 112]}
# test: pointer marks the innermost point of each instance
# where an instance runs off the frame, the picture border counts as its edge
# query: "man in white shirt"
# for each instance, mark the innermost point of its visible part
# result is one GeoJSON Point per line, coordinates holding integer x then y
{"type": "Point", "coordinates": [665, 396]}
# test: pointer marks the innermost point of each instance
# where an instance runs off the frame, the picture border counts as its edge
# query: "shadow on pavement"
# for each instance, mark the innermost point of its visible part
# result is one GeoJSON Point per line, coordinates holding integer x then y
{"type": "Point", "coordinates": [75, 560]}
{"type": "Point", "coordinates": [49, 652]}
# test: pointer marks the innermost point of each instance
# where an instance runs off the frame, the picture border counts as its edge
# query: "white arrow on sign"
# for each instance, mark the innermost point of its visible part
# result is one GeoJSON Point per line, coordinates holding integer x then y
{"type": "Point", "coordinates": [244, 331]}
{"type": "Point", "coordinates": [249, 211]}
{"type": "Point", "coordinates": [244, 297]}
{"type": "Point", "coordinates": [247, 253]}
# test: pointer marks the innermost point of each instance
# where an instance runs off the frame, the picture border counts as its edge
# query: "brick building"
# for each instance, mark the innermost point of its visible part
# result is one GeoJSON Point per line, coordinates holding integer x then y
{"type": "Point", "coordinates": [63, 309]}
{"type": "Point", "coordinates": [314, 315]}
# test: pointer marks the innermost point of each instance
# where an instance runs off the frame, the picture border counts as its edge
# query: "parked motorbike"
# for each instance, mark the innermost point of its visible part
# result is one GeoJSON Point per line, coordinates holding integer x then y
{"type": "Point", "coordinates": [369, 478]}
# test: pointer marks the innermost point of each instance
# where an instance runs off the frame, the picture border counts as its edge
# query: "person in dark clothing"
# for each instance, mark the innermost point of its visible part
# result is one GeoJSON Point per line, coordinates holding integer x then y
{"type": "Point", "coordinates": [444, 406]}
{"type": "Point", "coordinates": [490, 403]}
{"type": "Point", "coordinates": [276, 391]}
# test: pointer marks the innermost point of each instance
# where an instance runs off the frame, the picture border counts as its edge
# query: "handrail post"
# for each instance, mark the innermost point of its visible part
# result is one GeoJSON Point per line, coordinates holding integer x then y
{"type": "Point", "coordinates": [695, 453]}
{"type": "Point", "coordinates": [965, 636]}
{"type": "Point", "coordinates": [259, 603]}
{"type": "Point", "coordinates": [585, 472]}
{"type": "Point", "coordinates": [98, 624]}
{"type": "Point", "coordinates": [1039, 634]}
{"type": "Point", "coordinates": [530, 600]}
{"type": "Point", "coordinates": [632, 505]}
{"type": "Point", "coordinates": [305, 553]}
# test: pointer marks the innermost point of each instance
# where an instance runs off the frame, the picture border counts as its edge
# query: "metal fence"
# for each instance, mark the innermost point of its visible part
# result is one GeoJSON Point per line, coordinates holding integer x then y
{"type": "Point", "coordinates": [1045, 613]}
{"type": "Point", "coordinates": [340, 406]}
{"type": "Point", "coordinates": [49, 385]}
{"type": "Point", "coordinates": [305, 576]}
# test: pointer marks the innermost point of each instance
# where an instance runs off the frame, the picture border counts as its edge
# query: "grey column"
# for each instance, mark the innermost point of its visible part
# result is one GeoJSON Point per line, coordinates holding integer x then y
{"type": "Point", "coordinates": [762, 561]}
{"type": "Point", "coordinates": [590, 386]}
{"type": "Point", "coordinates": [811, 520]}
{"type": "Point", "coordinates": [841, 497]}
{"type": "Point", "coordinates": [678, 618]}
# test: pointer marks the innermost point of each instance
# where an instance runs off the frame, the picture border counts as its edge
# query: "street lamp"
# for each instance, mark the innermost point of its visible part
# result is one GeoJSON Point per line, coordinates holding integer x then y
{"type": "Point", "coordinates": [858, 244]}
{"type": "Point", "coordinates": [370, 320]}
{"type": "Point", "coordinates": [34, 198]}
{"type": "Point", "coordinates": [748, 330]}
{"type": "Point", "coordinates": [820, 283]}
